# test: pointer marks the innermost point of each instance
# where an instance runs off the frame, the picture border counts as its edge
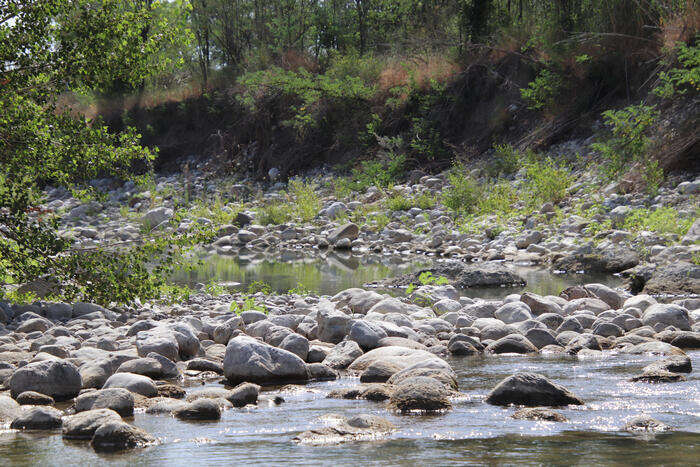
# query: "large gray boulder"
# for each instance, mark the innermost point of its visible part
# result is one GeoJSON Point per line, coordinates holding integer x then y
{"type": "Point", "coordinates": [357, 300]}
{"type": "Point", "coordinates": [115, 436]}
{"type": "Point", "coordinates": [531, 389]}
{"type": "Point", "coordinates": [56, 378]}
{"type": "Point", "coordinates": [9, 409]}
{"type": "Point", "coordinates": [249, 360]}
{"type": "Point", "coordinates": [513, 312]}
{"type": "Point", "coordinates": [84, 424]}
{"type": "Point", "coordinates": [342, 355]}
{"type": "Point", "coordinates": [420, 393]}
{"type": "Point", "coordinates": [137, 384]}
{"type": "Point", "coordinates": [154, 366]}
{"type": "Point", "coordinates": [512, 343]}
{"type": "Point", "coordinates": [667, 315]}
{"type": "Point", "coordinates": [366, 334]}
{"type": "Point", "coordinates": [333, 325]}
{"type": "Point", "coordinates": [38, 418]}
{"type": "Point", "coordinates": [118, 399]}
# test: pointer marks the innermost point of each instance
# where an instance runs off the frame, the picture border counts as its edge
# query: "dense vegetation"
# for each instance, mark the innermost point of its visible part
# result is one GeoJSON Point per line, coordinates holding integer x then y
{"type": "Point", "coordinates": [91, 88]}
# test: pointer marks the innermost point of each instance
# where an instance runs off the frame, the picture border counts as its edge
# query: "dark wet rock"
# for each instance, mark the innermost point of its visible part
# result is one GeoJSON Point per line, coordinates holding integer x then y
{"type": "Point", "coordinates": [34, 398]}
{"type": "Point", "coordinates": [119, 436]}
{"type": "Point", "coordinates": [200, 409]}
{"type": "Point", "coordinates": [540, 338]}
{"type": "Point", "coordinates": [154, 366]}
{"type": "Point", "coordinates": [539, 414]}
{"type": "Point", "coordinates": [615, 259]}
{"type": "Point", "coordinates": [379, 372]}
{"type": "Point", "coordinates": [249, 360]}
{"type": "Point", "coordinates": [462, 348]}
{"type": "Point", "coordinates": [676, 278]}
{"type": "Point", "coordinates": [674, 364]}
{"type": "Point", "coordinates": [137, 384]}
{"type": "Point", "coordinates": [38, 418]}
{"type": "Point", "coordinates": [118, 399]}
{"type": "Point", "coordinates": [345, 393]}
{"type": "Point", "coordinates": [531, 389]}
{"type": "Point", "coordinates": [654, 348]}
{"type": "Point", "coordinates": [644, 423]}
{"type": "Point", "coordinates": [349, 231]}
{"type": "Point", "coordinates": [375, 392]}
{"type": "Point", "coordinates": [203, 364]}
{"type": "Point", "coordinates": [59, 379]}
{"type": "Point", "coordinates": [463, 275]}
{"type": "Point", "coordinates": [321, 372]}
{"type": "Point", "coordinates": [84, 424]}
{"type": "Point", "coordinates": [358, 428]}
{"type": "Point", "coordinates": [687, 340]}
{"type": "Point", "coordinates": [513, 343]}
{"type": "Point", "coordinates": [655, 375]}
{"type": "Point", "coordinates": [420, 393]}
{"type": "Point", "coordinates": [244, 394]}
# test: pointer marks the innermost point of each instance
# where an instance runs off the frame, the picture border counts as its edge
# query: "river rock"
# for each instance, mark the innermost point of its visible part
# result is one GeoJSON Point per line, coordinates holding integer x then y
{"type": "Point", "coordinates": [34, 398]}
{"type": "Point", "coordinates": [357, 300]}
{"type": "Point", "coordinates": [249, 360]}
{"type": "Point", "coordinates": [349, 231]}
{"type": "Point", "coordinates": [333, 325]}
{"type": "Point", "coordinates": [118, 399]}
{"type": "Point", "coordinates": [538, 414]}
{"type": "Point", "coordinates": [119, 436]}
{"type": "Point", "coordinates": [199, 409]}
{"type": "Point", "coordinates": [203, 364]}
{"type": "Point", "coordinates": [512, 343]}
{"type": "Point", "coordinates": [677, 278]}
{"type": "Point", "coordinates": [644, 423]}
{"type": "Point", "coordinates": [137, 384]}
{"type": "Point", "coordinates": [674, 364]}
{"type": "Point", "coordinates": [59, 379]}
{"type": "Point", "coordinates": [366, 334]}
{"type": "Point", "coordinates": [531, 389]}
{"type": "Point", "coordinates": [9, 409]}
{"type": "Point", "coordinates": [358, 428]}
{"type": "Point", "coordinates": [420, 393]}
{"type": "Point", "coordinates": [38, 418]}
{"type": "Point", "coordinates": [657, 375]}
{"type": "Point", "coordinates": [84, 424]}
{"type": "Point", "coordinates": [156, 366]}
{"type": "Point", "coordinates": [513, 312]}
{"type": "Point", "coordinates": [342, 355]}
{"type": "Point", "coordinates": [667, 315]}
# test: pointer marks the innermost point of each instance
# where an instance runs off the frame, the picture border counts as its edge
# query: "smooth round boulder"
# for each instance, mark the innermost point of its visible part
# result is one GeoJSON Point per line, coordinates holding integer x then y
{"type": "Point", "coordinates": [513, 343]}
{"type": "Point", "coordinates": [118, 399]}
{"type": "Point", "coordinates": [644, 423]}
{"type": "Point", "coordinates": [420, 393]}
{"type": "Point", "coordinates": [137, 384]}
{"type": "Point", "coordinates": [538, 414]}
{"type": "Point", "coordinates": [366, 334]}
{"type": "Point", "coordinates": [532, 390]}
{"type": "Point", "coordinates": [55, 378]}
{"type": "Point", "coordinates": [38, 418]}
{"type": "Point", "coordinates": [200, 409]}
{"type": "Point", "coordinates": [34, 398]}
{"type": "Point", "coordinates": [665, 315]}
{"type": "Point", "coordinates": [249, 360]}
{"type": "Point", "coordinates": [119, 436]}
{"type": "Point", "coordinates": [84, 424]}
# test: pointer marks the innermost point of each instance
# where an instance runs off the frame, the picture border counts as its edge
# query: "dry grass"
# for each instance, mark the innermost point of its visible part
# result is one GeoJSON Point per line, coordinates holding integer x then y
{"type": "Point", "coordinates": [416, 72]}
{"type": "Point", "coordinates": [681, 27]}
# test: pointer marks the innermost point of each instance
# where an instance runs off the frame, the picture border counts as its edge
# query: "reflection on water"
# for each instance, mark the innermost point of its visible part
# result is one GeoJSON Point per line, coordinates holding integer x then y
{"type": "Point", "coordinates": [330, 273]}
{"type": "Point", "coordinates": [472, 433]}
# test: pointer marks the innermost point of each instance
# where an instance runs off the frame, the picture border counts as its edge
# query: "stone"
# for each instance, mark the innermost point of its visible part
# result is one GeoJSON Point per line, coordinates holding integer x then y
{"type": "Point", "coordinates": [200, 409]}
{"type": "Point", "coordinates": [156, 367]}
{"type": "Point", "coordinates": [203, 364]}
{"type": "Point", "coordinates": [9, 409]}
{"type": "Point", "coordinates": [420, 393]}
{"type": "Point", "coordinates": [358, 428]}
{"type": "Point", "coordinates": [38, 418]}
{"type": "Point", "coordinates": [379, 372]}
{"type": "Point", "coordinates": [540, 305]}
{"type": "Point", "coordinates": [348, 231]}
{"type": "Point", "coordinates": [244, 394]}
{"type": "Point", "coordinates": [84, 424]}
{"type": "Point", "coordinates": [655, 375]}
{"type": "Point", "coordinates": [321, 372]}
{"type": "Point", "coordinates": [538, 414]}
{"type": "Point", "coordinates": [342, 355]}
{"type": "Point", "coordinates": [513, 312]}
{"type": "Point", "coordinates": [677, 278]}
{"type": "Point", "coordinates": [667, 315]}
{"type": "Point", "coordinates": [333, 325]}
{"type": "Point", "coordinates": [156, 216]}
{"type": "Point", "coordinates": [118, 399]}
{"type": "Point", "coordinates": [296, 344]}
{"type": "Point", "coordinates": [34, 398]}
{"type": "Point", "coordinates": [462, 348]}
{"type": "Point", "coordinates": [512, 343]}
{"type": "Point", "coordinates": [249, 360]}
{"type": "Point", "coordinates": [644, 423]}
{"type": "Point", "coordinates": [540, 338]}
{"type": "Point", "coordinates": [366, 334]}
{"type": "Point", "coordinates": [59, 379]}
{"type": "Point", "coordinates": [119, 436]}
{"type": "Point", "coordinates": [137, 384]}
{"type": "Point", "coordinates": [164, 405]}
{"type": "Point", "coordinates": [531, 389]}
{"type": "Point", "coordinates": [673, 364]}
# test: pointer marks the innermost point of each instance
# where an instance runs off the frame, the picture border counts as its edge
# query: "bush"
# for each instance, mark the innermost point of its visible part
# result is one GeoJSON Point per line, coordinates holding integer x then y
{"type": "Point", "coordinates": [379, 173]}
{"type": "Point", "coordinates": [546, 181]}
{"type": "Point", "coordinates": [506, 161]}
{"type": "Point", "coordinates": [687, 76]}
{"type": "Point", "coordinates": [628, 140]}
{"type": "Point", "coordinates": [463, 194]}
{"type": "Point", "coordinates": [306, 200]}
{"type": "Point", "coordinates": [500, 199]}
{"type": "Point", "coordinates": [661, 221]}
{"type": "Point", "coordinates": [275, 214]}
{"type": "Point", "coordinates": [541, 92]}
{"type": "Point", "coordinates": [399, 202]}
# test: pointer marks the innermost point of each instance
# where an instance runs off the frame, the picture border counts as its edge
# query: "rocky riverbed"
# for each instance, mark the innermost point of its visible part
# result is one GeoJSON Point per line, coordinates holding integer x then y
{"type": "Point", "coordinates": [429, 361]}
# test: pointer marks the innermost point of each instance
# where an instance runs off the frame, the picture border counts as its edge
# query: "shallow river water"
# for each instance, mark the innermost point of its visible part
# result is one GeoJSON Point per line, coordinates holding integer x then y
{"type": "Point", "coordinates": [472, 433]}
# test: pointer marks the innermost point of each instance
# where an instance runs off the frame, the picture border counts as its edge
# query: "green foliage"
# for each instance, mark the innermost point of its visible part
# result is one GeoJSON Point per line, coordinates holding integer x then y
{"type": "Point", "coordinates": [425, 200]}
{"type": "Point", "coordinates": [685, 78]}
{"type": "Point", "coordinates": [306, 90]}
{"type": "Point", "coordinates": [505, 161]}
{"type": "Point", "coordinates": [541, 93]}
{"type": "Point", "coordinates": [653, 176]}
{"type": "Point", "coordinates": [628, 140]}
{"type": "Point", "coordinates": [248, 303]}
{"type": "Point", "coordinates": [499, 199]}
{"type": "Point", "coordinates": [275, 213]}
{"type": "Point", "coordinates": [426, 138]}
{"type": "Point", "coordinates": [259, 287]}
{"type": "Point", "coordinates": [299, 289]}
{"type": "Point", "coordinates": [399, 202]}
{"type": "Point", "coordinates": [546, 181]}
{"type": "Point", "coordinates": [427, 278]}
{"type": "Point", "coordinates": [305, 198]}
{"type": "Point", "coordinates": [378, 172]}
{"type": "Point", "coordinates": [213, 288]}
{"type": "Point", "coordinates": [662, 221]}
{"type": "Point", "coordinates": [462, 194]}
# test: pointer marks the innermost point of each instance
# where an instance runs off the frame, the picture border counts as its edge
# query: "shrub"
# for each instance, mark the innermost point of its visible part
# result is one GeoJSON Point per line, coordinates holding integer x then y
{"type": "Point", "coordinates": [463, 193]}
{"type": "Point", "coordinates": [306, 200]}
{"type": "Point", "coordinates": [275, 213]}
{"type": "Point", "coordinates": [379, 173]}
{"type": "Point", "coordinates": [661, 221]}
{"type": "Point", "coordinates": [628, 140]}
{"type": "Point", "coordinates": [687, 76]}
{"type": "Point", "coordinates": [501, 198]}
{"type": "Point", "coordinates": [505, 161]}
{"type": "Point", "coordinates": [399, 202]}
{"type": "Point", "coordinates": [424, 200]}
{"type": "Point", "coordinates": [546, 181]}
{"type": "Point", "coordinates": [653, 176]}
{"type": "Point", "coordinates": [541, 92]}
